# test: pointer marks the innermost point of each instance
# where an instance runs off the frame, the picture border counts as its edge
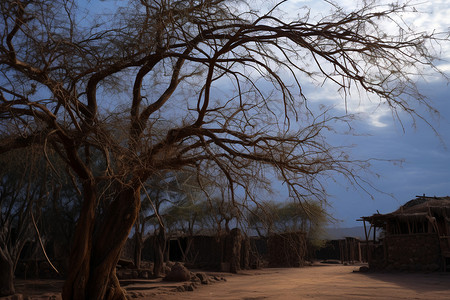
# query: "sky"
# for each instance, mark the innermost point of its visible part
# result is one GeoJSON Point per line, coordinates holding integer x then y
{"type": "Point", "coordinates": [424, 155]}
{"type": "Point", "coordinates": [425, 166]}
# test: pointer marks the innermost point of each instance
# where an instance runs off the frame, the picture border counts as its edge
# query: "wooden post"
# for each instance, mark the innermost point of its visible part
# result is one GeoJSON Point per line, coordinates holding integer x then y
{"type": "Point", "coordinates": [368, 255]}
{"type": "Point", "coordinates": [365, 231]}
{"type": "Point", "coordinates": [359, 252]}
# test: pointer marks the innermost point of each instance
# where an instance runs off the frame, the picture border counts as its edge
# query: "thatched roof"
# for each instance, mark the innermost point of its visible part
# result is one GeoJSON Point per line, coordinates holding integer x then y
{"type": "Point", "coordinates": [416, 209]}
{"type": "Point", "coordinates": [423, 204]}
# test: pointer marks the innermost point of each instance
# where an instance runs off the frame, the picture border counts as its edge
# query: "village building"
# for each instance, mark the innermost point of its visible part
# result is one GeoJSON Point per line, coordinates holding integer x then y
{"type": "Point", "coordinates": [347, 250]}
{"type": "Point", "coordinates": [228, 252]}
{"type": "Point", "coordinates": [415, 237]}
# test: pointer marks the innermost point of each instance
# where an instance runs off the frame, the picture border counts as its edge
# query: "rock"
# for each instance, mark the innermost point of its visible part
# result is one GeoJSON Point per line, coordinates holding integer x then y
{"type": "Point", "coordinates": [178, 273]}
{"type": "Point", "coordinates": [195, 279]}
{"type": "Point", "coordinates": [167, 269]}
{"type": "Point", "coordinates": [144, 274]}
{"type": "Point", "coordinates": [331, 261]}
{"type": "Point", "coordinates": [185, 288]}
{"type": "Point", "coordinates": [126, 263]}
{"type": "Point", "coordinates": [180, 288]}
{"type": "Point", "coordinates": [204, 279]}
{"type": "Point", "coordinates": [364, 269]}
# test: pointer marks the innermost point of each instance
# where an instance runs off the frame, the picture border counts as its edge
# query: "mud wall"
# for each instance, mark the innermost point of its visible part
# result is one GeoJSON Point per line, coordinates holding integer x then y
{"type": "Point", "coordinates": [415, 252]}
{"type": "Point", "coordinates": [231, 252]}
{"type": "Point", "coordinates": [287, 249]}
{"type": "Point", "coordinates": [206, 252]}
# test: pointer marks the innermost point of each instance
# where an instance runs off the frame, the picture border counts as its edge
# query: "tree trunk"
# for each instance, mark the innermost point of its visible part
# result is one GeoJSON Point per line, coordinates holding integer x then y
{"type": "Point", "coordinates": [80, 256]}
{"type": "Point", "coordinates": [97, 278]}
{"type": "Point", "coordinates": [138, 253]}
{"type": "Point", "coordinates": [185, 251]}
{"type": "Point", "coordinates": [138, 245]}
{"type": "Point", "coordinates": [6, 276]}
{"type": "Point", "coordinates": [160, 242]}
{"type": "Point", "coordinates": [167, 251]}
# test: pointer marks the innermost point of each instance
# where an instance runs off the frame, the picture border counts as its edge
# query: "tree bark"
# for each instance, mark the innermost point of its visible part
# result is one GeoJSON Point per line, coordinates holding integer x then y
{"type": "Point", "coordinates": [97, 278]}
{"type": "Point", "coordinates": [138, 245]}
{"type": "Point", "coordinates": [185, 251]}
{"type": "Point", "coordinates": [79, 261]}
{"type": "Point", "coordinates": [111, 237]}
{"type": "Point", "coordinates": [6, 276]}
{"type": "Point", "coordinates": [160, 242]}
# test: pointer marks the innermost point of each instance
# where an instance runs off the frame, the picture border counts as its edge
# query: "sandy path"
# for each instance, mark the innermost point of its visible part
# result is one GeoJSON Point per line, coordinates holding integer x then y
{"type": "Point", "coordinates": [321, 282]}
{"type": "Point", "coordinates": [316, 282]}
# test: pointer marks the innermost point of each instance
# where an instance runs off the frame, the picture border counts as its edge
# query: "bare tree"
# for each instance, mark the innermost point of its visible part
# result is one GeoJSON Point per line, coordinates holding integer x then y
{"type": "Point", "coordinates": [200, 69]}
{"type": "Point", "coordinates": [24, 187]}
{"type": "Point", "coordinates": [160, 192]}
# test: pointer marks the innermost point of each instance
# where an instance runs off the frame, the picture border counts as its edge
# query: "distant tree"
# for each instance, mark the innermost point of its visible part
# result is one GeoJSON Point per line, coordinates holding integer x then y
{"type": "Point", "coordinates": [156, 194]}
{"type": "Point", "coordinates": [59, 214]}
{"type": "Point", "coordinates": [184, 221]}
{"type": "Point", "coordinates": [222, 78]}
{"type": "Point", "coordinates": [219, 214]}
{"type": "Point", "coordinates": [24, 188]}
{"type": "Point", "coordinates": [164, 196]}
{"type": "Point", "coordinates": [278, 217]}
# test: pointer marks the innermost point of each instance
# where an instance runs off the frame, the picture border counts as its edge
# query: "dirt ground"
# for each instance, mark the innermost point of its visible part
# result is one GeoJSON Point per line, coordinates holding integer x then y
{"type": "Point", "coordinates": [315, 282]}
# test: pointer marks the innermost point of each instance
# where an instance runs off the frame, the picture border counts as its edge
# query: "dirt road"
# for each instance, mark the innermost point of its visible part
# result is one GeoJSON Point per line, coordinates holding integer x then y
{"type": "Point", "coordinates": [321, 282]}
{"type": "Point", "coordinates": [316, 282]}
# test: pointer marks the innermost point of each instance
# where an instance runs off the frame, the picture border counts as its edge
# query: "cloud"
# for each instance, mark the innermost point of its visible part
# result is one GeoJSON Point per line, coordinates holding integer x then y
{"type": "Point", "coordinates": [432, 16]}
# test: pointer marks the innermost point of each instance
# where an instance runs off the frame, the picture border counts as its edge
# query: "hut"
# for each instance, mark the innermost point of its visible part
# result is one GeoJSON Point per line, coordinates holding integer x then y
{"type": "Point", "coordinates": [415, 237]}
{"type": "Point", "coordinates": [347, 250]}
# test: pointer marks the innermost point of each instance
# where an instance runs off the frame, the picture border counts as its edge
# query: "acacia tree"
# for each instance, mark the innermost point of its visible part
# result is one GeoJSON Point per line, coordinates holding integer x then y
{"type": "Point", "coordinates": [278, 217]}
{"type": "Point", "coordinates": [160, 192]}
{"type": "Point", "coordinates": [219, 213]}
{"type": "Point", "coordinates": [186, 214]}
{"type": "Point", "coordinates": [200, 69]}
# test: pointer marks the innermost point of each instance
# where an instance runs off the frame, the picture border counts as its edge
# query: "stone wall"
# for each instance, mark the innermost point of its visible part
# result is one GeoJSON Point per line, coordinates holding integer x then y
{"type": "Point", "coordinates": [376, 255]}
{"type": "Point", "coordinates": [414, 252]}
